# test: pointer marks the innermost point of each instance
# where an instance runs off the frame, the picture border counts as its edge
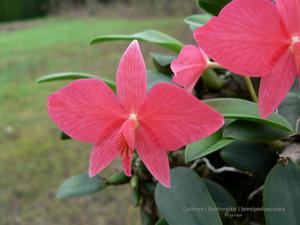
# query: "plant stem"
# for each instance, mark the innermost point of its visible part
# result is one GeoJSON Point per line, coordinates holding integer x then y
{"type": "Point", "coordinates": [214, 65]}
{"type": "Point", "coordinates": [251, 89]}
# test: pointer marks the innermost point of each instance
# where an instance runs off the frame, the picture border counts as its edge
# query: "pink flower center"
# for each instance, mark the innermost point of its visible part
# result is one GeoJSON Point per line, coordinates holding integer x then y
{"type": "Point", "coordinates": [295, 40]}
{"type": "Point", "coordinates": [133, 116]}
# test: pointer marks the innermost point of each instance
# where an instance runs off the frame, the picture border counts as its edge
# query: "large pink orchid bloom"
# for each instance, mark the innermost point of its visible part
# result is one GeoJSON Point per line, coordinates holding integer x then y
{"type": "Point", "coordinates": [257, 38]}
{"type": "Point", "coordinates": [189, 66]}
{"type": "Point", "coordinates": [155, 122]}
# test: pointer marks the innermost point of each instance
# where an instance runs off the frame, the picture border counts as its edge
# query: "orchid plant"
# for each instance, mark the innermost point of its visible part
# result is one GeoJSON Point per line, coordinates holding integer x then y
{"type": "Point", "coordinates": [233, 155]}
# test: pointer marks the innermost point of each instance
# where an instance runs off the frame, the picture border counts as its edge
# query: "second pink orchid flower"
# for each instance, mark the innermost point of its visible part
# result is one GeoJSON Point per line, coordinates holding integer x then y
{"type": "Point", "coordinates": [257, 38]}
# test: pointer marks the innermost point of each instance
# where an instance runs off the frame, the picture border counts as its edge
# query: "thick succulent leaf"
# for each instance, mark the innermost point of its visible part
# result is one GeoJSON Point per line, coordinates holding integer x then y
{"type": "Point", "coordinates": [156, 77]}
{"type": "Point", "coordinates": [220, 195]}
{"type": "Point", "coordinates": [73, 76]}
{"type": "Point", "coordinates": [290, 109]}
{"type": "Point", "coordinates": [195, 21]}
{"type": "Point", "coordinates": [212, 6]}
{"type": "Point", "coordinates": [150, 36]}
{"type": "Point", "coordinates": [249, 131]}
{"type": "Point", "coordinates": [80, 185]}
{"type": "Point", "coordinates": [206, 146]}
{"type": "Point", "coordinates": [256, 158]}
{"type": "Point", "coordinates": [281, 192]}
{"type": "Point", "coordinates": [162, 62]}
{"type": "Point", "coordinates": [234, 108]}
{"type": "Point", "coordinates": [161, 221]}
{"type": "Point", "coordinates": [187, 191]}
{"type": "Point", "coordinates": [118, 179]}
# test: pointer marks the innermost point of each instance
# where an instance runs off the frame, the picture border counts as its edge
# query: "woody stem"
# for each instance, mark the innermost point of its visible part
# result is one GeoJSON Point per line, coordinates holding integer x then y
{"type": "Point", "coordinates": [251, 89]}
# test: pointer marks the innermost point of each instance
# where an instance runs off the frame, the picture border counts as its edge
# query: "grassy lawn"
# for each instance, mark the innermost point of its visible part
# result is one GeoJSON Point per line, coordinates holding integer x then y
{"type": "Point", "coordinates": [33, 161]}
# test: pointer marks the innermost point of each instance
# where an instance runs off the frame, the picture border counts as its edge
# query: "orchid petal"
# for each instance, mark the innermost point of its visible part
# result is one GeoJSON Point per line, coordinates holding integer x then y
{"type": "Point", "coordinates": [188, 66]}
{"type": "Point", "coordinates": [274, 87]}
{"type": "Point", "coordinates": [176, 117]}
{"type": "Point", "coordinates": [132, 78]}
{"type": "Point", "coordinates": [290, 12]}
{"type": "Point", "coordinates": [102, 155]}
{"type": "Point", "coordinates": [128, 131]}
{"type": "Point", "coordinates": [296, 51]}
{"type": "Point", "coordinates": [155, 159]}
{"type": "Point", "coordinates": [84, 108]}
{"type": "Point", "coordinates": [126, 144]}
{"type": "Point", "coordinates": [248, 37]}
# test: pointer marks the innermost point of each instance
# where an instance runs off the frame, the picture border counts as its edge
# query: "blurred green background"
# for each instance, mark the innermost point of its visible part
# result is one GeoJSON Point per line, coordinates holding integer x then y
{"type": "Point", "coordinates": [33, 161]}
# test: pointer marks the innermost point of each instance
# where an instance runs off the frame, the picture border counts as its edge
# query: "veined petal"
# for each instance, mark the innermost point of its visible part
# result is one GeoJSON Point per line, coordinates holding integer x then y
{"type": "Point", "coordinates": [102, 155]}
{"type": "Point", "coordinates": [126, 144]}
{"type": "Point", "coordinates": [155, 159]}
{"type": "Point", "coordinates": [274, 87]}
{"type": "Point", "coordinates": [188, 66]}
{"type": "Point", "coordinates": [296, 52]}
{"type": "Point", "coordinates": [132, 78]}
{"type": "Point", "coordinates": [128, 131]}
{"type": "Point", "coordinates": [84, 108]}
{"type": "Point", "coordinates": [176, 117]}
{"type": "Point", "coordinates": [290, 12]}
{"type": "Point", "coordinates": [248, 37]}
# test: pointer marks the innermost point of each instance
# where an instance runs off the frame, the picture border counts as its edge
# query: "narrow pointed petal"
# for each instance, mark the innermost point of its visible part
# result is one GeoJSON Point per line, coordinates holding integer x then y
{"type": "Point", "coordinates": [274, 87]}
{"type": "Point", "coordinates": [176, 117]}
{"type": "Point", "coordinates": [84, 108]}
{"type": "Point", "coordinates": [290, 12]}
{"type": "Point", "coordinates": [126, 144]}
{"type": "Point", "coordinates": [243, 39]}
{"type": "Point", "coordinates": [126, 163]}
{"type": "Point", "coordinates": [102, 155]}
{"type": "Point", "coordinates": [188, 66]}
{"type": "Point", "coordinates": [296, 51]}
{"type": "Point", "coordinates": [155, 159]}
{"type": "Point", "coordinates": [132, 78]}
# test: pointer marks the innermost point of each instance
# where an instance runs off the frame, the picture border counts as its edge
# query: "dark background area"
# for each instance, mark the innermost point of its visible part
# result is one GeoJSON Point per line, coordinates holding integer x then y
{"type": "Point", "coordinates": [12, 10]}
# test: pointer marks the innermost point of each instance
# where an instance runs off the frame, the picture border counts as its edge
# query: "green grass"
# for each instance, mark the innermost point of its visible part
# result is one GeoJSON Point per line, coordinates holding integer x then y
{"type": "Point", "coordinates": [33, 161]}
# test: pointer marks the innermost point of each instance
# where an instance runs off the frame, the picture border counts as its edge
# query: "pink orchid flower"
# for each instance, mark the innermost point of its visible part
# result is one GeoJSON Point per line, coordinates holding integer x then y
{"type": "Point", "coordinates": [257, 38]}
{"type": "Point", "coordinates": [155, 122]}
{"type": "Point", "coordinates": [189, 66]}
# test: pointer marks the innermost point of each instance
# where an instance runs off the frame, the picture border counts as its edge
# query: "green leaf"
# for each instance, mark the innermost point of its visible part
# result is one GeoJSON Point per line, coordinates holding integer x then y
{"type": "Point", "coordinates": [220, 195]}
{"type": "Point", "coordinates": [64, 136]}
{"type": "Point", "coordinates": [161, 221]}
{"type": "Point", "coordinates": [80, 185]}
{"type": "Point", "coordinates": [281, 191]}
{"type": "Point", "coordinates": [118, 179]}
{"type": "Point", "coordinates": [206, 146]}
{"type": "Point", "coordinates": [195, 21]}
{"type": "Point", "coordinates": [249, 131]}
{"type": "Point", "coordinates": [234, 108]}
{"type": "Point", "coordinates": [187, 193]}
{"type": "Point", "coordinates": [212, 6]}
{"type": "Point", "coordinates": [256, 158]}
{"type": "Point", "coordinates": [290, 109]}
{"type": "Point", "coordinates": [156, 77]}
{"type": "Point", "coordinates": [162, 62]}
{"type": "Point", "coordinates": [73, 76]}
{"type": "Point", "coordinates": [149, 36]}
